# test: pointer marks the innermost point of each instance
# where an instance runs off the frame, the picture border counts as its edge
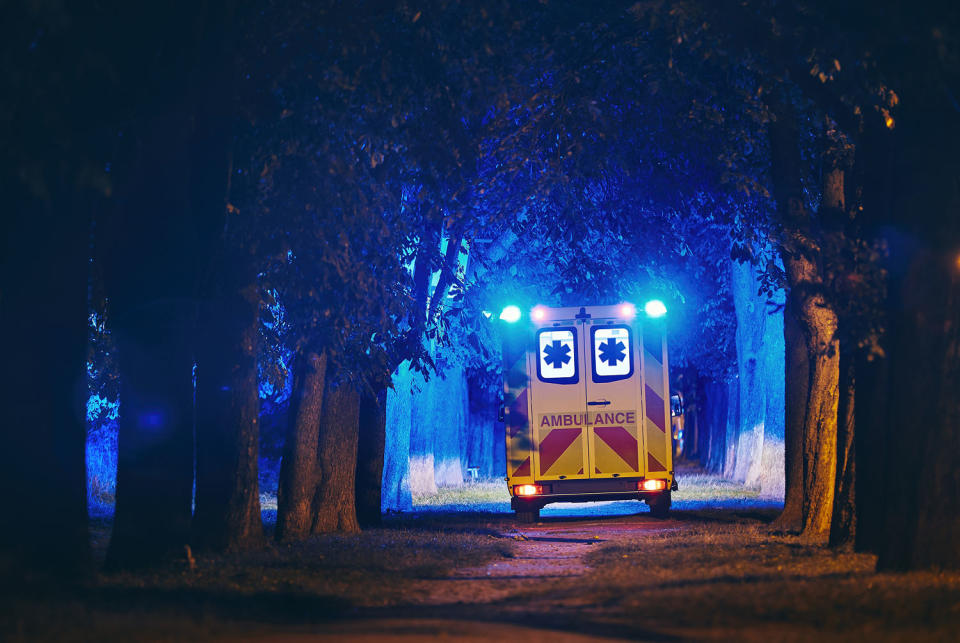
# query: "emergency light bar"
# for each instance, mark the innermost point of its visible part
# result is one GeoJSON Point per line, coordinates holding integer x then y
{"type": "Point", "coordinates": [655, 308]}
{"type": "Point", "coordinates": [510, 314]}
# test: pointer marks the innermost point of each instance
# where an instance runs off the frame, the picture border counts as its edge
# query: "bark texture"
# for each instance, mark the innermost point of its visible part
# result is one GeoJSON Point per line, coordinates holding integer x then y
{"type": "Point", "coordinates": [714, 425]}
{"type": "Point", "coordinates": [843, 527]}
{"type": "Point", "coordinates": [227, 514]}
{"type": "Point", "coordinates": [299, 469]}
{"type": "Point", "coordinates": [370, 457]}
{"type": "Point", "coordinates": [760, 364]}
{"type": "Point", "coordinates": [820, 422]}
{"type": "Point", "coordinates": [797, 377]}
{"type": "Point", "coordinates": [817, 320]}
{"type": "Point", "coordinates": [335, 499]}
{"type": "Point", "coordinates": [396, 458]}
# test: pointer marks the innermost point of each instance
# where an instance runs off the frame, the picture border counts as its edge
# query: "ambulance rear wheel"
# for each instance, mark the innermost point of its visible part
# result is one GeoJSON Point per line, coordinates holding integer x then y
{"type": "Point", "coordinates": [528, 515]}
{"type": "Point", "coordinates": [659, 504]}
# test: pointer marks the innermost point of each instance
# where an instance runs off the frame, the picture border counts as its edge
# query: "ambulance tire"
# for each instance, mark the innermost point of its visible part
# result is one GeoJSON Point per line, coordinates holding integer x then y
{"type": "Point", "coordinates": [659, 505]}
{"type": "Point", "coordinates": [529, 515]}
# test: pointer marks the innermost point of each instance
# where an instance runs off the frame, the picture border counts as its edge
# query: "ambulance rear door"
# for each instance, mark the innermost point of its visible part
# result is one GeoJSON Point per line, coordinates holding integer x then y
{"type": "Point", "coordinates": [612, 377]}
{"type": "Point", "coordinates": [558, 401]}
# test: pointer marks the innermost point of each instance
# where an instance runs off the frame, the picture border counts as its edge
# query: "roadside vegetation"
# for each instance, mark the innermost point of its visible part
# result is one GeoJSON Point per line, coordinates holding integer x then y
{"type": "Point", "coordinates": [717, 578]}
{"type": "Point", "coordinates": [713, 570]}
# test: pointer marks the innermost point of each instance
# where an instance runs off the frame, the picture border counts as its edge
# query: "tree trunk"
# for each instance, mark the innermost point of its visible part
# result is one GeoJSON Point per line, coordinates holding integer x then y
{"type": "Point", "coordinates": [299, 469]}
{"type": "Point", "coordinates": [228, 433]}
{"type": "Point", "coordinates": [817, 321]}
{"type": "Point", "coordinates": [155, 458]}
{"type": "Point", "coordinates": [396, 457]}
{"type": "Point", "coordinates": [715, 424]}
{"type": "Point", "coordinates": [422, 428]}
{"type": "Point", "coordinates": [732, 429]}
{"type": "Point", "coordinates": [43, 318]}
{"type": "Point", "coordinates": [797, 376]}
{"type": "Point", "coordinates": [937, 541]}
{"type": "Point", "coordinates": [370, 457]}
{"type": "Point", "coordinates": [872, 410]}
{"type": "Point", "coordinates": [921, 526]}
{"type": "Point", "coordinates": [152, 250]}
{"type": "Point", "coordinates": [820, 416]}
{"type": "Point", "coordinates": [335, 501]}
{"type": "Point", "coordinates": [843, 527]}
{"type": "Point", "coordinates": [227, 514]}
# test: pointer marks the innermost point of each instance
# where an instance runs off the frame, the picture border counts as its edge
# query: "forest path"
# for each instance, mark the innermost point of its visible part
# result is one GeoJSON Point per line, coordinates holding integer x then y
{"type": "Point", "coordinates": [533, 594]}
{"type": "Point", "coordinates": [557, 547]}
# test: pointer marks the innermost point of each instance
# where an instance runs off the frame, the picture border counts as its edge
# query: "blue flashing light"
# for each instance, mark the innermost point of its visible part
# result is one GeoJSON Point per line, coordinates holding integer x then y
{"type": "Point", "coordinates": [151, 420]}
{"type": "Point", "coordinates": [510, 314]}
{"type": "Point", "coordinates": [655, 308]}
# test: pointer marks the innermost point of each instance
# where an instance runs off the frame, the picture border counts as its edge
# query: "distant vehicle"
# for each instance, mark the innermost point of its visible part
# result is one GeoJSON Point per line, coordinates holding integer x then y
{"type": "Point", "coordinates": [586, 407]}
{"type": "Point", "coordinates": [676, 423]}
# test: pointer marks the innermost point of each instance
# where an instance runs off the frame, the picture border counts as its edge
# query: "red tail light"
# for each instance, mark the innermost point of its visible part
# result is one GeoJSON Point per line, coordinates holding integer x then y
{"type": "Point", "coordinates": [652, 484]}
{"type": "Point", "coordinates": [527, 490]}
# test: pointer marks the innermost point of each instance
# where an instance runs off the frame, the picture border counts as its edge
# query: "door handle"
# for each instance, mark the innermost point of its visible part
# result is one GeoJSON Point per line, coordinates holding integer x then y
{"type": "Point", "coordinates": [599, 403]}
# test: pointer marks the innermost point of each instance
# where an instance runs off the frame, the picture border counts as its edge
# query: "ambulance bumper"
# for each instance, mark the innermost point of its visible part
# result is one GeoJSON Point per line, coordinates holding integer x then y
{"type": "Point", "coordinates": [585, 491]}
{"type": "Point", "coordinates": [539, 501]}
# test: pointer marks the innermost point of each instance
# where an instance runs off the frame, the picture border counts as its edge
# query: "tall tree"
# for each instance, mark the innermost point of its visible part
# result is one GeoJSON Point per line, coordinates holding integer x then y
{"type": "Point", "coordinates": [227, 513]}
{"type": "Point", "coordinates": [155, 246]}
{"type": "Point", "coordinates": [53, 181]}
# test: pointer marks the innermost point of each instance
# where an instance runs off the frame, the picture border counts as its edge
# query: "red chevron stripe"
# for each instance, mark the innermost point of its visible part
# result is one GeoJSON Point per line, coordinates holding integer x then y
{"type": "Point", "coordinates": [622, 443]}
{"type": "Point", "coordinates": [653, 464]}
{"type": "Point", "coordinates": [554, 445]}
{"type": "Point", "coordinates": [523, 470]}
{"type": "Point", "coordinates": [656, 411]}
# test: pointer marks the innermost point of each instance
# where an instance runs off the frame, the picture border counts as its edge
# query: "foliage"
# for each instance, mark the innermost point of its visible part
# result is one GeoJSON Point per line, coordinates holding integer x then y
{"type": "Point", "coordinates": [102, 412]}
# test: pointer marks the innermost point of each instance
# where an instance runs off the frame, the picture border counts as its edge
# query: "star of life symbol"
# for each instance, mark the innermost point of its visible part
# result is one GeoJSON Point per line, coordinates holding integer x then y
{"type": "Point", "coordinates": [611, 356]}
{"type": "Point", "coordinates": [556, 354]}
{"type": "Point", "coordinates": [612, 351]}
{"type": "Point", "coordinates": [557, 349]}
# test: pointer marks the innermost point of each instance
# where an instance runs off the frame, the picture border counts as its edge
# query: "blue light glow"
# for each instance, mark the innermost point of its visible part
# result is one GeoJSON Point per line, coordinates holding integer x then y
{"type": "Point", "coordinates": [151, 420]}
{"type": "Point", "coordinates": [655, 308]}
{"type": "Point", "coordinates": [510, 314]}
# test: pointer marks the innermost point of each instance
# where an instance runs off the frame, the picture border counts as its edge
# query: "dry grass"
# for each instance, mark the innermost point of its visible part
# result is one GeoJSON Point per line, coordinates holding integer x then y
{"type": "Point", "coordinates": [470, 496]}
{"type": "Point", "coordinates": [715, 577]}
{"type": "Point", "coordinates": [713, 571]}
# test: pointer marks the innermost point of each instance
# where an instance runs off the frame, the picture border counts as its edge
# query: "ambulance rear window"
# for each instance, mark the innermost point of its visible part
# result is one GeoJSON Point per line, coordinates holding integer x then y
{"type": "Point", "coordinates": [557, 355]}
{"type": "Point", "coordinates": [612, 350]}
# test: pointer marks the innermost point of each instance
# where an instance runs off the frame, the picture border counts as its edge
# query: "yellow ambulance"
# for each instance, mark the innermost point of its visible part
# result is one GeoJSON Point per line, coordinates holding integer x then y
{"type": "Point", "coordinates": [587, 408]}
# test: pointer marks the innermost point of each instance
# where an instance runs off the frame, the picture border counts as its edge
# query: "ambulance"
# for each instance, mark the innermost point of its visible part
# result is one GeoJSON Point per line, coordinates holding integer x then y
{"type": "Point", "coordinates": [586, 406]}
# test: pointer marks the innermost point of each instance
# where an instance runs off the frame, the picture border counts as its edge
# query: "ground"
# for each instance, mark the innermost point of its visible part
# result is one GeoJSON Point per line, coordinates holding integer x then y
{"type": "Point", "coordinates": [461, 567]}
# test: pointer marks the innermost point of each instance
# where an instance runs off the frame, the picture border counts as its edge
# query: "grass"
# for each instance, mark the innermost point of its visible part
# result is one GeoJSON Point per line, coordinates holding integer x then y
{"type": "Point", "coordinates": [470, 496]}
{"type": "Point", "coordinates": [721, 577]}
{"type": "Point", "coordinates": [327, 577]}
{"type": "Point", "coordinates": [714, 571]}
{"type": "Point", "coordinates": [492, 495]}
{"type": "Point", "coordinates": [370, 568]}
{"type": "Point", "coordinates": [704, 487]}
